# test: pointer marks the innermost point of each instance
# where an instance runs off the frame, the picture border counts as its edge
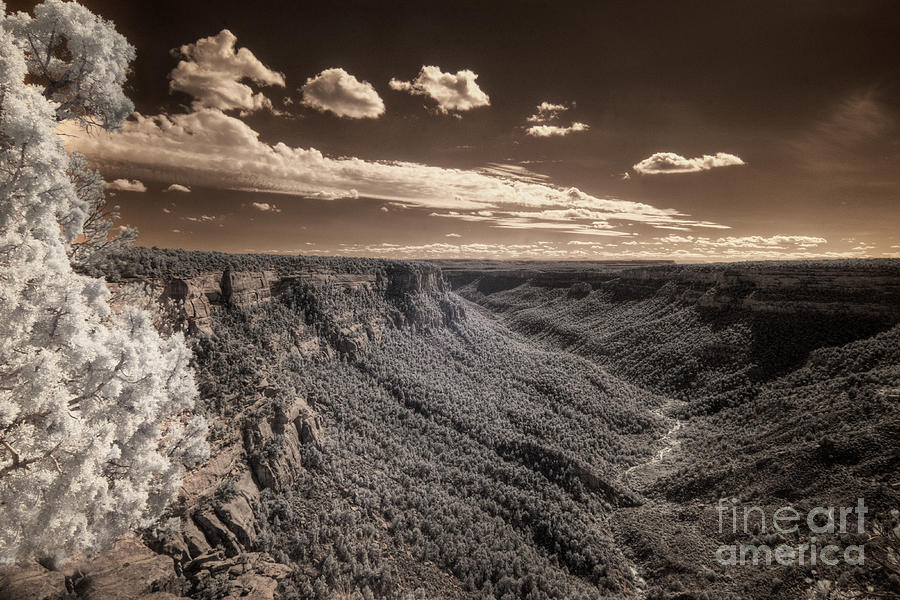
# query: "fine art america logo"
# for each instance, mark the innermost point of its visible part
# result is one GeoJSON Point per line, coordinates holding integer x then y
{"type": "Point", "coordinates": [787, 520]}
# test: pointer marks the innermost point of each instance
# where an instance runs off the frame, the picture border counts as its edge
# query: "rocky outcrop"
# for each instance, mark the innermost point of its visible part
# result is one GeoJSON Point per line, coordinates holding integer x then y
{"type": "Point", "coordinates": [869, 289]}
{"type": "Point", "coordinates": [253, 575]}
{"type": "Point", "coordinates": [196, 297]}
{"type": "Point", "coordinates": [413, 278]}
{"type": "Point", "coordinates": [201, 296]}
{"type": "Point", "coordinates": [128, 570]}
{"type": "Point", "coordinates": [273, 445]}
{"type": "Point", "coordinates": [247, 289]}
{"type": "Point", "coordinates": [490, 276]}
{"type": "Point", "coordinates": [32, 582]}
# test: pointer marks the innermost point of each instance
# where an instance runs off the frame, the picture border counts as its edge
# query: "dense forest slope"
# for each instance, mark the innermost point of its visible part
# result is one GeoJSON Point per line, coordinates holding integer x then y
{"type": "Point", "coordinates": [529, 434]}
{"type": "Point", "coordinates": [785, 380]}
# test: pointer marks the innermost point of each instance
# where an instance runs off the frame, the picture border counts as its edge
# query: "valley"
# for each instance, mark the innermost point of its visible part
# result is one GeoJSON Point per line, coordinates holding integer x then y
{"type": "Point", "coordinates": [387, 429]}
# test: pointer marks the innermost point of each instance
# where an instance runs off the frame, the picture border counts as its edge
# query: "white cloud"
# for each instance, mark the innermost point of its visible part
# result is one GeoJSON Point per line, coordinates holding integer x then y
{"type": "Point", "coordinates": [515, 172]}
{"type": "Point", "coordinates": [555, 130]}
{"type": "Point", "coordinates": [211, 149]}
{"type": "Point", "coordinates": [202, 218]}
{"type": "Point", "coordinates": [678, 248]}
{"type": "Point", "coordinates": [457, 92]}
{"type": "Point", "coordinates": [343, 94]}
{"type": "Point", "coordinates": [754, 242]}
{"type": "Point", "coordinates": [547, 111]}
{"type": "Point", "coordinates": [668, 162]}
{"type": "Point", "coordinates": [545, 122]}
{"type": "Point", "coordinates": [453, 235]}
{"type": "Point", "coordinates": [126, 185]}
{"type": "Point", "coordinates": [177, 187]}
{"type": "Point", "coordinates": [265, 207]}
{"type": "Point", "coordinates": [212, 72]}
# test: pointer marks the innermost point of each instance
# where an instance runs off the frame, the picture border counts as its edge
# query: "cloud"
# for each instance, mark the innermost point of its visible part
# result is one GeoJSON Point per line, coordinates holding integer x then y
{"type": "Point", "coordinates": [670, 247]}
{"type": "Point", "coordinates": [212, 149]}
{"type": "Point", "coordinates": [453, 235]}
{"type": "Point", "coordinates": [544, 131]}
{"type": "Point", "coordinates": [782, 242]}
{"type": "Point", "coordinates": [212, 72]}
{"type": "Point", "coordinates": [265, 207]}
{"type": "Point", "coordinates": [202, 218]}
{"type": "Point", "coordinates": [547, 111]}
{"type": "Point", "coordinates": [457, 92]}
{"type": "Point", "coordinates": [854, 140]}
{"type": "Point", "coordinates": [545, 122]}
{"type": "Point", "coordinates": [177, 187]}
{"type": "Point", "coordinates": [662, 163]}
{"type": "Point", "coordinates": [126, 185]}
{"type": "Point", "coordinates": [343, 94]}
{"type": "Point", "coordinates": [513, 172]}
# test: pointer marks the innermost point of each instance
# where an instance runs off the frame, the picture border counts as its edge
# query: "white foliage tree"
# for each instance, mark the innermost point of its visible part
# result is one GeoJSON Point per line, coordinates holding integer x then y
{"type": "Point", "coordinates": [94, 421]}
{"type": "Point", "coordinates": [99, 236]}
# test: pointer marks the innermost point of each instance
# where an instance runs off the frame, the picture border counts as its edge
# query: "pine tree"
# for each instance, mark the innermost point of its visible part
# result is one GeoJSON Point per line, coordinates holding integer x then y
{"type": "Point", "coordinates": [94, 421]}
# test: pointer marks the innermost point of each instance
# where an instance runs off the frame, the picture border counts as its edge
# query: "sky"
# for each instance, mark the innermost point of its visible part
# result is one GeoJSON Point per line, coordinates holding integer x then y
{"type": "Point", "coordinates": [693, 131]}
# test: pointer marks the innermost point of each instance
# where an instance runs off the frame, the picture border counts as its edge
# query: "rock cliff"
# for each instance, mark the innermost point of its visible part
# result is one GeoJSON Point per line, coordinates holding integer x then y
{"type": "Point", "coordinates": [211, 536]}
{"type": "Point", "coordinates": [870, 289]}
{"type": "Point", "coordinates": [201, 295]}
{"type": "Point", "coordinates": [866, 289]}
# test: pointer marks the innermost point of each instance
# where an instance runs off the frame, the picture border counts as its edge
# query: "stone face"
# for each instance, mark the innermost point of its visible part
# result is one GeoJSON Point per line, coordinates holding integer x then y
{"type": "Point", "coordinates": [237, 513]}
{"type": "Point", "coordinates": [253, 575]}
{"type": "Point", "coordinates": [418, 290]}
{"type": "Point", "coordinates": [32, 582]}
{"type": "Point", "coordinates": [273, 445]}
{"type": "Point", "coordinates": [814, 288]}
{"type": "Point", "coordinates": [215, 532]}
{"type": "Point", "coordinates": [196, 297]}
{"type": "Point", "coordinates": [200, 295]}
{"type": "Point", "coordinates": [247, 289]}
{"type": "Point", "coordinates": [127, 571]}
{"type": "Point", "coordinates": [194, 538]}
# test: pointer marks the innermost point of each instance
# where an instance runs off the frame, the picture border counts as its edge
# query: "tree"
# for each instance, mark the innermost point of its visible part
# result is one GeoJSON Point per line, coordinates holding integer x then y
{"type": "Point", "coordinates": [94, 405]}
{"type": "Point", "coordinates": [99, 238]}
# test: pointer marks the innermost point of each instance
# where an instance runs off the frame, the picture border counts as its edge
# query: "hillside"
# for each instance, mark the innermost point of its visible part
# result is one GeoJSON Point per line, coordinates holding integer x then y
{"type": "Point", "coordinates": [529, 433]}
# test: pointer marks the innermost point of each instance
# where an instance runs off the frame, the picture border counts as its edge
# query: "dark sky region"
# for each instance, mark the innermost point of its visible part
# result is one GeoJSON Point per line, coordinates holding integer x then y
{"type": "Point", "coordinates": [511, 129]}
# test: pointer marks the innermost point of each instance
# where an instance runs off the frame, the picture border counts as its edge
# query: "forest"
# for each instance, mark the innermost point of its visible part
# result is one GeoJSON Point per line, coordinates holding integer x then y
{"type": "Point", "coordinates": [488, 456]}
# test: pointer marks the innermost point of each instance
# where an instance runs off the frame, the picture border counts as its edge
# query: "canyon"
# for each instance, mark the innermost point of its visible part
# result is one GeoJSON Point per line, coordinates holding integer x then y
{"type": "Point", "coordinates": [669, 344]}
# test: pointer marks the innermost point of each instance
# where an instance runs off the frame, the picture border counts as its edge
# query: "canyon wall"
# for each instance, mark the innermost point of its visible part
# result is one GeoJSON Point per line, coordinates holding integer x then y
{"type": "Point", "coordinates": [211, 535]}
